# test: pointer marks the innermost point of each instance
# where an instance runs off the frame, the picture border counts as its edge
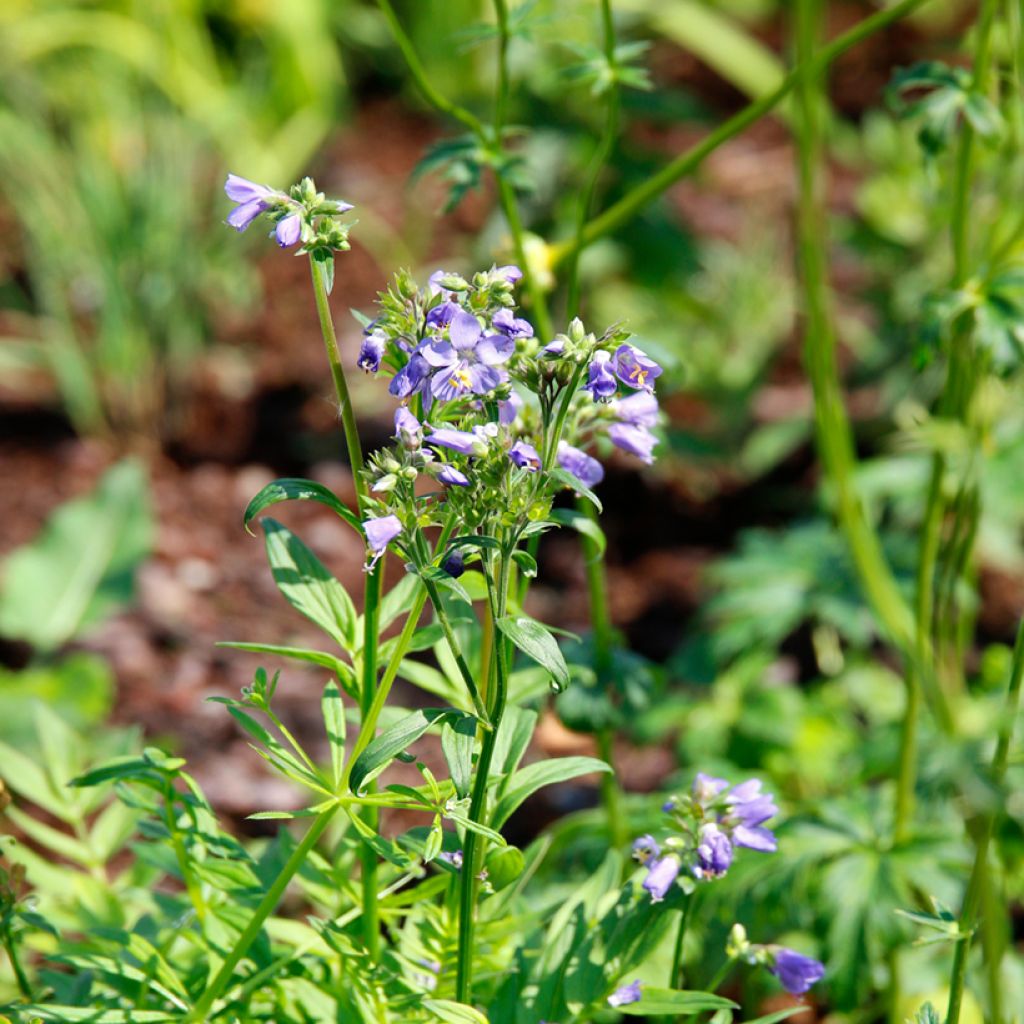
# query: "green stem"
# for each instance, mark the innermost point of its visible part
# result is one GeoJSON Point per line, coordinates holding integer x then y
{"type": "Point", "coordinates": [200, 1013]}
{"type": "Point", "coordinates": [675, 978]}
{"type": "Point", "coordinates": [600, 158]}
{"type": "Point", "coordinates": [501, 93]}
{"type": "Point", "coordinates": [19, 972]}
{"type": "Point", "coordinates": [630, 204]}
{"type": "Point", "coordinates": [976, 884]}
{"type": "Point", "coordinates": [473, 844]}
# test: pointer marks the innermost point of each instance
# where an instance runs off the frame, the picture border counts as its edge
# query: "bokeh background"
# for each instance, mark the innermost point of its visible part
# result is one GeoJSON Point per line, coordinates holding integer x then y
{"type": "Point", "coordinates": [156, 369]}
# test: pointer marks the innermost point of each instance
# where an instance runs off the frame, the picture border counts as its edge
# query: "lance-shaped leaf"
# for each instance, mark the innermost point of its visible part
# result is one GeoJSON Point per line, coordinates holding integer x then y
{"type": "Point", "coordinates": [295, 489]}
{"type": "Point", "coordinates": [666, 1002]}
{"type": "Point", "coordinates": [383, 750]}
{"type": "Point", "coordinates": [525, 782]}
{"type": "Point", "coordinates": [534, 640]}
{"type": "Point", "coordinates": [307, 586]}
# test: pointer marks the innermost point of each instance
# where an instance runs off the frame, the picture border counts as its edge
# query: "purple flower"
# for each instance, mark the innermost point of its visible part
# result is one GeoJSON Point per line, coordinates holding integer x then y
{"type": "Point", "coordinates": [465, 442]}
{"type": "Point", "coordinates": [408, 429]}
{"type": "Point", "coordinates": [252, 200]}
{"type": "Point", "coordinates": [714, 852]}
{"type": "Point", "coordinates": [452, 477]}
{"type": "Point", "coordinates": [554, 349]}
{"type": "Point", "coordinates": [511, 326]}
{"type": "Point", "coordinates": [454, 564]}
{"type": "Point", "coordinates": [638, 441]}
{"type": "Point", "coordinates": [455, 859]}
{"type": "Point", "coordinates": [645, 849]}
{"type": "Point", "coordinates": [625, 994]}
{"type": "Point", "coordinates": [600, 379]}
{"type": "Point", "coordinates": [635, 369]}
{"type": "Point", "coordinates": [586, 469]}
{"type": "Point", "coordinates": [410, 378]}
{"type": "Point", "coordinates": [660, 876]}
{"type": "Point", "coordinates": [509, 408]}
{"type": "Point", "coordinates": [289, 230]}
{"type": "Point", "coordinates": [707, 787]}
{"type": "Point", "coordinates": [380, 532]}
{"type": "Point", "coordinates": [796, 972]}
{"type": "Point", "coordinates": [510, 272]}
{"type": "Point", "coordinates": [749, 808]}
{"type": "Point", "coordinates": [441, 314]}
{"type": "Point", "coordinates": [371, 351]}
{"type": "Point", "coordinates": [525, 456]}
{"type": "Point", "coordinates": [468, 361]}
{"type": "Point", "coordinates": [638, 410]}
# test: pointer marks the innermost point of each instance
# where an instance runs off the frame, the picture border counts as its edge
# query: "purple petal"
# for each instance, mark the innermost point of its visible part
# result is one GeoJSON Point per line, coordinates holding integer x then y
{"type": "Point", "coordinates": [494, 349]}
{"type": "Point", "coordinates": [638, 441]}
{"type": "Point", "coordinates": [509, 409]}
{"type": "Point", "coordinates": [485, 378]}
{"type": "Point", "coordinates": [452, 477]}
{"type": "Point", "coordinates": [626, 994]}
{"type": "Point", "coordinates": [242, 216]}
{"type": "Point", "coordinates": [756, 838]}
{"type": "Point", "coordinates": [525, 456]}
{"type": "Point", "coordinates": [439, 353]}
{"type": "Point", "coordinates": [586, 469]}
{"type": "Point", "coordinates": [242, 190]}
{"type": "Point", "coordinates": [465, 330]}
{"type": "Point", "coordinates": [408, 429]}
{"type": "Point", "coordinates": [660, 876]}
{"type": "Point", "coordinates": [462, 441]}
{"type": "Point", "coordinates": [639, 410]}
{"type": "Point", "coordinates": [796, 972]}
{"type": "Point", "coordinates": [371, 351]}
{"type": "Point", "coordinates": [289, 230]}
{"type": "Point", "coordinates": [635, 369]}
{"type": "Point", "coordinates": [510, 272]}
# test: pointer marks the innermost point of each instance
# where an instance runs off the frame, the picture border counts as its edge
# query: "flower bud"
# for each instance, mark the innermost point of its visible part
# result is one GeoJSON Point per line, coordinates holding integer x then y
{"type": "Point", "coordinates": [504, 865]}
{"type": "Point", "coordinates": [577, 332]}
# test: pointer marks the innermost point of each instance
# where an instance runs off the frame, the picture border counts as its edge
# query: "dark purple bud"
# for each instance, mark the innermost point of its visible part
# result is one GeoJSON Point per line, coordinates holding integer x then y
{"type": "Point", "coordinates": [714, 852]}
{"type": "Point", "coordinates": [796, 972]}
{"type": "Point", "coordinates": [626, 994]}
{"type": "Point", "coordinates": [450, 476]}
{"type": "Point", "coordinates": [635, 369]}
{"type": "Point", "coordinates": [638, 441]}
{"type": "Point", "coordinates": [371, 351]}
{"type": "Point", "coordinates": [410, 378]}
{"type": "Point", "coordinates": [660, 876]}
{"type": "Point", "coordinates": [289, 230]}
{"type": "Point", "coordinates": [586, 469]}
{"type": "Point", "coordinates": [601, 381]}
{"type": "Point", "coordinates": [554, 349]}
{"type": "Point", "coordinates": [525, 456]}
{"type": "Point", "coordinates": [454, 564]}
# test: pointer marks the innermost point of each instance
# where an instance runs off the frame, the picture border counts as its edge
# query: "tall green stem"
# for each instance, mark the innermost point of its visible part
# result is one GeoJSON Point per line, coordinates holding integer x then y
{"type": "Point", "coordinates": [631, 203]}
{"type": "Point", "coordinates": [976, 884]}
{"type": "Point", "coordinates": [19, 972]}
{"type": "Point", "coordinates": [675, 978]}
{"type": "Point", "coordinates": [199, 1013]}
{"type": "Point", "coordinates": [473, 844]}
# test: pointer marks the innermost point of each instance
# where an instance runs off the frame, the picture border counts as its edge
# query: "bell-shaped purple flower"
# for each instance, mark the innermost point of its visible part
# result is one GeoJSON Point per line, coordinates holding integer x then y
{"type": "Point", "coordinates": [796, 971]}
{"type": "Point", "coordinates": [638, 410]}
{"type": "Point", "coordinates": [465, 442]}
{"type": "Point", "coordinates": [626, 994]}
{"type": "Point", "coordinates": [509, 408]}
{"type": "Point", "coordinates": [714, 852]}
{"type": "Point", "coordinates": [411, 377]}
{"type": "Point", "coordinates": [645, 849]}
{"type": "Point", "coordinates": [525, 456]}
{"type": "Point", "coordinates": [638, 441]}
{"type": "Point", "coordinates": [380, 532]}
{"type": "Point", "coordinates": [452, 477]}
{"type": "Point", "coordinates": [468, 361]}
{"type": "Point", "coordinates": [441, 314]}
{"type": "Point", "coordinates": [661, 874]}
{"type": "Point", "coordinates": [408, 429]}
{"type": "Point", "coordinates": [584, 467]}
{"type": "Point", "coordinates": [252, 200]}
{"type": "Point", "coordinates": [635, 369]}
{"type": "Point", "coordinates": [371, 351]}
{"type": "Point", "coordinates": [510, 325]}
{"type": "Point", "coordinates": [601, 381]}
{"type": "Point", "coordinates": [510, 272]}
{"type": "Point", "coordinates": [289, 230]}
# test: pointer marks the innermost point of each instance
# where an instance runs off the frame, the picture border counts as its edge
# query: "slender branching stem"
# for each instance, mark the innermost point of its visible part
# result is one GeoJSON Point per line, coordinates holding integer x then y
{"type": "Point", "coordinates": [24, 987]}
{"type": "Point", "coordinates": [631, 203]}
{"type": "Point", "coordinates": [675, 978]}
{"type": "Point", "coordinates": [976, 884]}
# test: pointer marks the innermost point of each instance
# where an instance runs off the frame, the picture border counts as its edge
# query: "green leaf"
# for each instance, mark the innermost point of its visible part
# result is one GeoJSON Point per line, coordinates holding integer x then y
{"type": "Point", "coordinates": [341, 669]}
{"type": "Point", "coordinates": [457, 741]}
{"type": "Point", "coordinates": [334, 722]}
{"type": "Point", "coordinates": [81, 565]}
{"type": "Point", "coordinates": [307, 586]}
{"type": "Point", "coordinates": [25, 776]}
{"type": "Point", "coordinates": [774, 1018]}
{"type": "Point", "coordinates": [525, 782]}
{"type": "Point", "coordinates": [296, 489]}
{"type": "Point", "coordinates": [664, 1002]}
{"type": "Point", "coordinates": [379, 754]}
{"type": "Point", "coordinates": [581, 523]}
{"type": "Point", "coordinates": [567, 479]}
{"type": "Point", "coordinates": [534, 640]}
{"type": "Point", "coordinates": [453, 1013]}
{"type": "Point", "coordinates": [73, 1015]}
{"type": "Point", "coordinates": [276, 754]}
{"type": "Point", "coordinates": [127, 769]}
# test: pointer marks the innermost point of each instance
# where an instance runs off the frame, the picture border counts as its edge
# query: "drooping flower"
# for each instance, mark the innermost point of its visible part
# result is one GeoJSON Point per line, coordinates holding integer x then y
{"type": "Point", "coordinates": [584, 467]}
{"type": "Point", "coordinates": [452, 477]}
{"type": "Point", "coordinates": [638, 410]}
{"type": "Point", "coordinates": [252, 200]}
{"type": "Point", "coordinates": [638, 441]}
{"type": "Point", "coordinates": [289, 230]}
{"type": "Point", "coordinates": [600, 380]}
{"type": "Point", "coordinates": [525, 456]}
{"type": "Point", "coordinates": [796, 971]}
{"type": "Point", "coordinates": [660, 876]}
{"type": "Point", "coordinates": [707, 787]}
{"type": "Point", "coordinates": [645, 849]}
{"type": "Point", "coordinates": [371, 351]}
{"type": "Point", "coordinates": [468, 361]}
{"type": "Point", "coordinates": [510, 272]}
{"type": "Point", "coordinates": [635, 368]}
{"type": "Point", "coordinates": [408, 429]}
{"type": "Point", "coordinates": [510, 325]}
{"type": "Point", "coordinates": [626, 994]}
{"type": "Point", "coordinates": [714, 852]}
{"type": "Point", "coordinates": [411, 377]}
{"type": "Point", "coordinates": [509, 408]}
{"type": "Point", "coordinates": [465, 442]}
{"type": "Point", "coordinates": [748, 809]}
{"type": "Point", "coordinates": [380, 532]}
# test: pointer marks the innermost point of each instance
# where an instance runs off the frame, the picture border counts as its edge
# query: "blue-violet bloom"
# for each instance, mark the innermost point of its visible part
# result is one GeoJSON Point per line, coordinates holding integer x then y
{"type": "Point", "coordinates": [465, 442]}
{"type": "Point", "coordinates": [468, 361]}
{"type": "Point", "coordinates": [638, 441]}
{"type": "Point", "coordinates": [509, 408]}
{"type": "Point", "coordinates": [584, 467]}
{"type": "Point", "coordinates": [411, 377]}
{"type": "Point", "coordinates": [635, 369]}
{"type": "Point", "coordinates": [660, 876]}
{"type": "Point", "coordinates": [625, 994]}
{"type": "Point", "coordinates": [714, 852]}
{"type": "Point", "coordinates": [371, 351]}
{"type": "Point", "coordinates": [510, 272]}
{"type": "Point", "coordinates": [454, 564]}
{"type": "Point", "coordinates": [796, 971]}
{"type": "Point", "coordinates": [510, 325]}
{"type": "Point", "coordinates": [380, 532]}
{"type": "Point", "coordinates": [645, 849]}
{"type": "Point", "coordinates": [252, 200]}
{"type": "Point", "coordinates": [450, 476]}
{"type": "Point", "coordinates": [525, 456]}
{"type": "Point", "coordinates": [600, 380]}
{"type": "Point", "coordinates": [638, 410]}
{"type": "Point", "coordinates": [408, 429]}
{"type": "Point", "coordinates": [289, 230]}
